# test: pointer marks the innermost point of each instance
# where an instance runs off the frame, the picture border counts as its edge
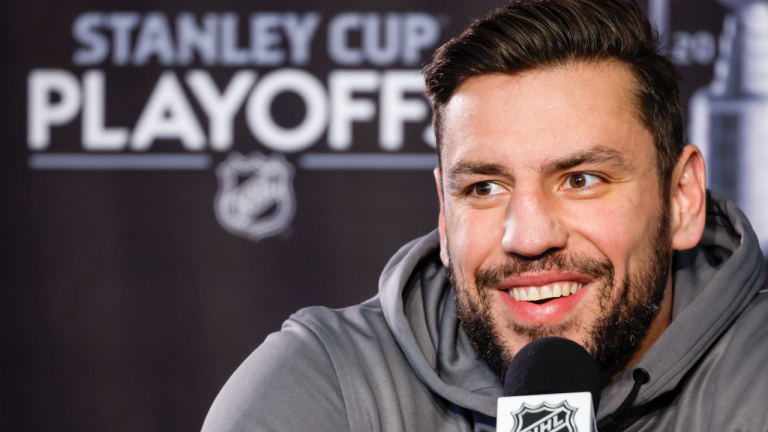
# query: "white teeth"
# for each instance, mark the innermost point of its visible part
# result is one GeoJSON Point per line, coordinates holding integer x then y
{"type": "Point", "coordinates": [555, 290]}
{"type": "Point", "coordinates": [533, 294]}
{"type": "Point", "coordinates": [575, 288]}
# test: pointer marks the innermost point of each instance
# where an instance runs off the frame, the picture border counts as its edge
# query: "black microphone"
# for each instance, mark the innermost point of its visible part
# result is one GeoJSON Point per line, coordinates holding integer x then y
{"type": "Point", "coordinates": [550, 383]}
{"type": "Point", "coordinates": [553, 365]}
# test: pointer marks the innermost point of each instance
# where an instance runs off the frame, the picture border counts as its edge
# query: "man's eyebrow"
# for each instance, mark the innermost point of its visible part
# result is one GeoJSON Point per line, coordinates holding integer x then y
{"type": "Point", "coordinates": [594, 155]}
{"type": "Point", "coordinates": [473, 168]}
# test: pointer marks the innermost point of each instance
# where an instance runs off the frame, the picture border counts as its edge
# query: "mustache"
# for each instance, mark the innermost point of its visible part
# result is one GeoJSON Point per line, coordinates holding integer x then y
{"type": "Point", "coordinates": [491, 276]}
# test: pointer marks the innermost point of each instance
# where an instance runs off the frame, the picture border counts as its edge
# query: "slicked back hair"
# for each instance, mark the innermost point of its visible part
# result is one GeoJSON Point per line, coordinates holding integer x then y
{"type": "Point", "coordinates": [529, 35]}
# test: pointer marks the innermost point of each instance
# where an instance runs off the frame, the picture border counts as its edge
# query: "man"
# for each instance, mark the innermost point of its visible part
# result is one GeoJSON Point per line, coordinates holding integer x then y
{"type": "Point", "coordinates": [569, 206]}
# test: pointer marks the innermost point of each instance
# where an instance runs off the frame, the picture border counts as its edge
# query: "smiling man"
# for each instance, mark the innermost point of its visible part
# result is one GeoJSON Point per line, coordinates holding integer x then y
{"type": "Point", "coordinates": [569, 206]}
{"type": "Point", "coordinates": [534, 167]}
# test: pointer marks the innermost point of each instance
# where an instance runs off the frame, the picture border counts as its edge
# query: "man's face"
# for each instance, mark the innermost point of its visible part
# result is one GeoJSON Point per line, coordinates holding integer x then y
{"type": "Point", "coordinates": [552, 221]}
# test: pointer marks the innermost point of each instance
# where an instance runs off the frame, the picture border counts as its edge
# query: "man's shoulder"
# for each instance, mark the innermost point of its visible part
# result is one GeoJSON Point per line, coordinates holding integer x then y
{"type": "Point", "coordinates": [734, 374]}
{"type": "Point", "coordinates": [364, 351]}
{"type": "Point", "coordinates": [262, 393]}
{"type": "Point", "coordinates": [359, 324]}
{"type": "Point", "coordinates": [744, 346]}
{"type": "Point", "coordinates": [330, 362]}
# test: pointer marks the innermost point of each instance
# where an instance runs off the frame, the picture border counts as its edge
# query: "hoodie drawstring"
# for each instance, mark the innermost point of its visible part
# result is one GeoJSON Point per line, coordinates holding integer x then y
{"type": "Point", "coordinates": [641, 376]}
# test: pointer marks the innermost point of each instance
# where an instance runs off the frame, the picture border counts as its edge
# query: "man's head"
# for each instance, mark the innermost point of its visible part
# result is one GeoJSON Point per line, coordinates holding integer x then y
{"type": "Point", "coordinates": [562, 164]}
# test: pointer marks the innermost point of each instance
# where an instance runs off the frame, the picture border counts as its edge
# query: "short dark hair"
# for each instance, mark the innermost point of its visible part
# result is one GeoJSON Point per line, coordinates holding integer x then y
{"type": "Point", "coordinates": [540, 34]}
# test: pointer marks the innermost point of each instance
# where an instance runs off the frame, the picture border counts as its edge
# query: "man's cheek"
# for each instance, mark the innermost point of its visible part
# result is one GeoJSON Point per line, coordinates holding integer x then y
{"type": "Point", "coordinates": [606, 236]}
{"type": "Point", "coordinates": [628, 226]}
{"type": "Point", "coordinates": [459, 232]}
{"type": "Point", "coordinates": [478, 233]}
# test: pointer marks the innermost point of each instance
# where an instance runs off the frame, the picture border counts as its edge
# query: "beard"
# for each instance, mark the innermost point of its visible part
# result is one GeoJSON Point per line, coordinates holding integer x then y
{"type": "Point", "coordinates": [626, 307]}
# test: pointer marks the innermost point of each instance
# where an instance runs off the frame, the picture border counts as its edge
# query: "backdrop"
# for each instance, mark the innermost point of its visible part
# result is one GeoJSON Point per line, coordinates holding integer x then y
{"type": "Point", "coordinates": [177, 178]}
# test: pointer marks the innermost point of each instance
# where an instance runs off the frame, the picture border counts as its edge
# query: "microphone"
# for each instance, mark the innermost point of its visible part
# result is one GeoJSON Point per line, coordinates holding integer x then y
{"type": "Point", "coordinates": [552, 385]}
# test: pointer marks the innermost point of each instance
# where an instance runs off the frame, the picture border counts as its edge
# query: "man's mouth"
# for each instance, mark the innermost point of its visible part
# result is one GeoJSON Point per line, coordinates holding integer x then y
{"type": "Point", "coordinates": [545, 292]}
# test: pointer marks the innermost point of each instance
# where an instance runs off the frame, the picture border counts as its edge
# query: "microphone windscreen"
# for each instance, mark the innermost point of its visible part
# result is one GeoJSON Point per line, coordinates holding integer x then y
{"type": "Point", "coordinates": [553, 365]}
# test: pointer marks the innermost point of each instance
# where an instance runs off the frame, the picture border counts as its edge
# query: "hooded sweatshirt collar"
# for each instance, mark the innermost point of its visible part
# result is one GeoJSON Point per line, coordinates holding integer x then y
{"type": "Point", "coordinates": [418, 305]}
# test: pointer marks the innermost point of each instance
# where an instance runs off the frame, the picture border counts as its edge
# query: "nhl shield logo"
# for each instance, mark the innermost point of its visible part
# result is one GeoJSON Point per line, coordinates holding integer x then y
{"type": "Point", "coordinates": [255, 197]}
{"type": "Point", "coordinates": [544, 418]}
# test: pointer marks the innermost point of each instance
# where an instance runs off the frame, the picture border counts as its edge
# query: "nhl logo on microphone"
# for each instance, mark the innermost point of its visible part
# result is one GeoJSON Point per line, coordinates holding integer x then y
{"type": "Point", "coordinates": [255, 197]}
{"type": "Point", "coordinates": [544, 418]}
{"type": "Point", "coordinates": [559, 412]}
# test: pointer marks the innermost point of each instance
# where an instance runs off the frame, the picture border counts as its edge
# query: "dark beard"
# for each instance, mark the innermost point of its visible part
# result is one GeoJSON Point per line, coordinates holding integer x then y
{"type": "Point", "coordinates": [623, 322]}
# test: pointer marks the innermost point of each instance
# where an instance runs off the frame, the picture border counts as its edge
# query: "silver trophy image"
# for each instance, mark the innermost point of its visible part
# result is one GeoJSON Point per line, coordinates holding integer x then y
{"type": "Point", "coordinates": [729, 117]}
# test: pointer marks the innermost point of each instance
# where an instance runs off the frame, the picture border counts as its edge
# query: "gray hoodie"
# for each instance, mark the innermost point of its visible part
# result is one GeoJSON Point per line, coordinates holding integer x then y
{"type": "Point", "coordinates": [401, 361]}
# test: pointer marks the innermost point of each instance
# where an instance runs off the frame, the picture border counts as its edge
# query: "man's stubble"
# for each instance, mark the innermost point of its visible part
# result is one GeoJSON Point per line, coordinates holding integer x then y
{"type": "Point", "coordinates": [623, 320]}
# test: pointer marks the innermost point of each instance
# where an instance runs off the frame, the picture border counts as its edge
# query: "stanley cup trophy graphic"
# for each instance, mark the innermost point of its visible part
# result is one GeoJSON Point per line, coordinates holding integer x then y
{"type": "Point", "coordinates": [729, 118]}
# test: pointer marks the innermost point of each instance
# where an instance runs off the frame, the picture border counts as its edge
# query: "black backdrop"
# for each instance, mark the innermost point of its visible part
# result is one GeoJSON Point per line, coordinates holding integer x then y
{"type": "Point", "coordinates": [128, 293]}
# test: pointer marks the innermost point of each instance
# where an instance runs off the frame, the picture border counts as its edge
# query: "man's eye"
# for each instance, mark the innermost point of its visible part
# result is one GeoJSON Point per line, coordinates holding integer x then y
{"type": "Point", "coordinates": [582, 180]}
{"type": "Point", "coordinates": [486, 188]}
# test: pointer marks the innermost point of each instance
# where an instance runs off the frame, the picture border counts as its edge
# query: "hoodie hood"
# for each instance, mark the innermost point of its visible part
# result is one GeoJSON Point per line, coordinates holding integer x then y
{"type": "Point", "coordinates": [713, 283]}
{"type": "Point", "coordinates": [418, 305]}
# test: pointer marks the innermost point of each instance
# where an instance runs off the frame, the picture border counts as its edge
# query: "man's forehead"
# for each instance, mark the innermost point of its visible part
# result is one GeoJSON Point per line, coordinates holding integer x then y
{"type": "Point", "coordinates": [611, 84]}
{"type": "Point", "coordinates": [549, 112]}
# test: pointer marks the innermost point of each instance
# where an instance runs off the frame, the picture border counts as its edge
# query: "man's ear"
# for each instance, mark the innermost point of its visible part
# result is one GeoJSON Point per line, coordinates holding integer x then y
{"type": "Point", "coordinates": [441, 220]}
{"type": "Point", "coordinates": [688, 199]}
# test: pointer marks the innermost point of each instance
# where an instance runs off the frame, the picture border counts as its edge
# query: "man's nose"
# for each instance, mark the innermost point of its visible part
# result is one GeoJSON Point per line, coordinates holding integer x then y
{"type": "Point", "coordinates": [532, 227]}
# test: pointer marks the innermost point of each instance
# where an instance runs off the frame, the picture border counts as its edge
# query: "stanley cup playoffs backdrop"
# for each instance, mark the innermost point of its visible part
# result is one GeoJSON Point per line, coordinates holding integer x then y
{"type": "Point", "coordinates": [179, 177]}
